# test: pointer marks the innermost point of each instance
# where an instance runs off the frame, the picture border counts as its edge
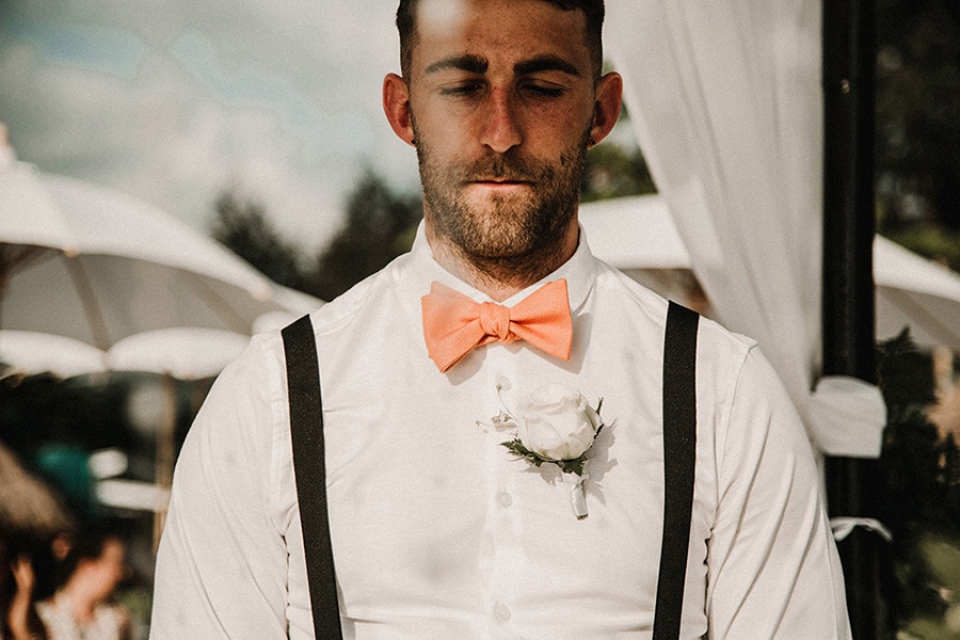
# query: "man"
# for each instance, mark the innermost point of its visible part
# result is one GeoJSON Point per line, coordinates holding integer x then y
{"type": "Point", "coordinates": [438, 529]}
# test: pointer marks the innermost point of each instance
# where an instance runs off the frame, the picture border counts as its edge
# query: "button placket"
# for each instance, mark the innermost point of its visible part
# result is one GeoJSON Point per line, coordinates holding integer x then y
{"type": "Point", "coordinates": [505, 522]}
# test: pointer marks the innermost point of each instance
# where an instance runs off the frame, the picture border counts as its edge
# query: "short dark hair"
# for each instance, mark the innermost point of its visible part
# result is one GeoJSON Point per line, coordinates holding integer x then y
{"type": "Point", "coordinates": [592, 9]}
{"type": "Point", "coordinates": [88, 544]}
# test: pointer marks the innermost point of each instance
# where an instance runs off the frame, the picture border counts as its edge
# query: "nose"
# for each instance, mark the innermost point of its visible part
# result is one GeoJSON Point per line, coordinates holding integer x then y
{"type": "Point", "coordinates": [501, 127]}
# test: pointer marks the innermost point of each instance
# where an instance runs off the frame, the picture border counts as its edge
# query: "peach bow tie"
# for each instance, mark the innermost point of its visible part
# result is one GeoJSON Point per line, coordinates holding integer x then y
{"type": "Point", "coordinates": [453, 324]}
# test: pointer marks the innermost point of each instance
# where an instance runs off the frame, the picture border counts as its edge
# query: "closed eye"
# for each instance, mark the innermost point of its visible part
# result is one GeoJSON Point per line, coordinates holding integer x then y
{"type": "Point", "coordinates": [461, 89]}
{"type": "Point", "coordinates": [538, 90]}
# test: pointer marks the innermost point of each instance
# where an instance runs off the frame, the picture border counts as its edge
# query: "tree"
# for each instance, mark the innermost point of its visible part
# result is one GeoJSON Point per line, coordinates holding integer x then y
{"type": "Point", "coordinates": [616, 168]}
{"type": "Point", "coordinates": [918, 469]}
{"type": "Point", "coordinates": [918, 126]}
{"type": "Point", "coordinates": [244, 228]}
{"type": "Point", "coordinates": [613, 171]}
{"type": "Point", "coordinates": [380, 225]}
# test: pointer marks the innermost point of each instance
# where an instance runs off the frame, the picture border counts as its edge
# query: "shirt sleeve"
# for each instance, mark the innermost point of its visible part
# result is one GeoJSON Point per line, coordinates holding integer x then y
{"type": "Point", "coordinates": [773, 569]}
{"type": "Point", "coordinates": [221, 566]}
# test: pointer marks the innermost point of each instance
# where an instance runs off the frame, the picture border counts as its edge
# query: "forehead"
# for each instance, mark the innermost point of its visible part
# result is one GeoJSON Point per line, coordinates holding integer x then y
{"type": "Point", "coordinates": [499, 30]}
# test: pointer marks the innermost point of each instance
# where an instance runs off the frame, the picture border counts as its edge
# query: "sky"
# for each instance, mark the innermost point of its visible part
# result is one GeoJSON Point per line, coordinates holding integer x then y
{"type": "Point", "coordinates": [176, 101]}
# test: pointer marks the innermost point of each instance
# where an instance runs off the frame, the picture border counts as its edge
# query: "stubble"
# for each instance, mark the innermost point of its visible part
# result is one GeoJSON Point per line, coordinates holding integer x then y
{"type": "Point", "coordinates": [510, 239]}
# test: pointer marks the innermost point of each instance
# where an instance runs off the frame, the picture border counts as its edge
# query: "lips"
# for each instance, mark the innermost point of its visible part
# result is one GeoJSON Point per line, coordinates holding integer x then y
{"type": "Point", "coordinates": [501, 181]}
{"type": "Point", "coordinates": [500, 185]}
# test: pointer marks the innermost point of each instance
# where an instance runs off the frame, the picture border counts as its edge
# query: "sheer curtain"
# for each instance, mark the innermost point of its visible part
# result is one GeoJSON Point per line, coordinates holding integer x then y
{"type": "Point", "coordinates": [725, 99]}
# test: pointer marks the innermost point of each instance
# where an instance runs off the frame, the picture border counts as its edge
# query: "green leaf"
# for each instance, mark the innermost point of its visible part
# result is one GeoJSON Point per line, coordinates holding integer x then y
{"type": "Point", "coordinates": [573, 466]}
{"type": "Point", "coordinates": [516, 447]}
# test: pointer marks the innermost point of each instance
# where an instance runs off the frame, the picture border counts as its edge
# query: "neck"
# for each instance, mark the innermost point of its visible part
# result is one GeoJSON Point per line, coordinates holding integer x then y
{"type": "Point", "coordinates": [81, 602]}
{"type": "Point", "coordinates": [501, 277]}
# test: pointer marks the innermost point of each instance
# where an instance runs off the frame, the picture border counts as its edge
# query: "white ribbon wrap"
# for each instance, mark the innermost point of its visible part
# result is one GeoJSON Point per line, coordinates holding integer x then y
{"type": "Point", "coordinates": [578, 492]}
{"type": "Point", "coordinates": [844, 526]}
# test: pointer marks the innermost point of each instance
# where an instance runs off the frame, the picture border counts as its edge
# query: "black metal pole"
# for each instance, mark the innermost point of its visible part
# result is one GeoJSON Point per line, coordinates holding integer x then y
{"type": "Point", "coordinates": [849, 55]}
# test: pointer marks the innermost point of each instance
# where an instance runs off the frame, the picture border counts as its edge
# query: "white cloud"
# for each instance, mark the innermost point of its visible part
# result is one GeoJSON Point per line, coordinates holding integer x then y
{"type": "Point", "coordinates": [185, 99]}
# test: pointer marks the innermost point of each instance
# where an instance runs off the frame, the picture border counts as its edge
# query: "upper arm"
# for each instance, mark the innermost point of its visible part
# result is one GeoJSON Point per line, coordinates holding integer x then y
{"type": "Point", "coordinates": [773, 570]}
{"type": "Point", "coordinates": [221, 567]}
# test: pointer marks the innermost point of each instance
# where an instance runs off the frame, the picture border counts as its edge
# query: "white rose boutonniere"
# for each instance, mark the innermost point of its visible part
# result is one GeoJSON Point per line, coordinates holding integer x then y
{"type": "Point", "coordinates": [555, 424]}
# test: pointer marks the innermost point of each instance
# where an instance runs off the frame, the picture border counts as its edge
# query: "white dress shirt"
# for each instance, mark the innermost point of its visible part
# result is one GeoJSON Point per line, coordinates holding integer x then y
{"type": "Point", "coordinates": [439, 532]}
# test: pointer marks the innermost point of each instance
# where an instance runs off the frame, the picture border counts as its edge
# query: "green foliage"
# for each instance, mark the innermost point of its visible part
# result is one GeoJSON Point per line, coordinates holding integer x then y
{"type": "Point", "coordinates": [380, 226]}
{"type": "Point", "coordinates": [905, 376]}
{"type": "Point", "coordinates": [245, 229]}
{"type": "Point", "coordinates": [616, 167]}
{"type": "Point", "coordinates": [918, 126]}
{"type": "Point", "coordinates": [921, 494]}
{"type": "Point", "coordinates": [933, 242]}
{"type": "Point", "coordinates": [516, 447]}
{"type": "Point", "coordinates": [613, 171]}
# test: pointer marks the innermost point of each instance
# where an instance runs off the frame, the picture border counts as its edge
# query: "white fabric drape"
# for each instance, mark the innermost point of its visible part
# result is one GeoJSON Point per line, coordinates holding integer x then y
{"type": "Point", "coordinates": [726, 103]}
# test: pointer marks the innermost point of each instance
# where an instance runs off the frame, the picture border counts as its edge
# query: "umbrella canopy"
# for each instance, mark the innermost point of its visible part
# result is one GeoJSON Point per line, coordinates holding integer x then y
{"type": "Point", "coordinates": [26, 352]}
{"type": "Point", "coordinates": [94, 265]}
{"type": "Point", "coordinates": [185, 353]}
{"type": "Point", "coordinates": [29, 217]}
{"type": "Point", "coordinates": [915, 292]}
{"type": "Point", "coordinates": [637, 235]}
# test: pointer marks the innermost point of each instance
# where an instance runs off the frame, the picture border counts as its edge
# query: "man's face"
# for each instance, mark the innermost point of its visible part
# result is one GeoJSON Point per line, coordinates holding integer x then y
{"type": "Point", "coordinates": [502, 103]}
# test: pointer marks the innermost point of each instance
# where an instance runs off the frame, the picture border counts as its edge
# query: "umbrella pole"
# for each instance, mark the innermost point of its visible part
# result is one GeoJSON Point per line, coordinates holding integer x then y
{"type": "Point", "coordinates": [849, 55]}
{"type": "Point", "coordinates": [166, 456]}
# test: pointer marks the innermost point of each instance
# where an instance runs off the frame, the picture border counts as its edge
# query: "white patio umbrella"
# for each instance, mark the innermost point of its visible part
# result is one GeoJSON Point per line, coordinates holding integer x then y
{"type": "Point", "coordinates": [93, 280]}
{"type": "Point", "coordinates": [185, 353]}
{"type": "Point", "coordinates": [88, 263]}
{"type": "Point", "coordinates": [26, 352]}
{"type": "Point", "coordinates": [913, 291]}
{"type": "Point", "coordinates": [638, 236]}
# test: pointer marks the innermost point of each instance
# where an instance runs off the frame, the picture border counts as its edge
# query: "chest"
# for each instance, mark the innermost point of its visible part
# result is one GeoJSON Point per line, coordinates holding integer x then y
{"type": "Point", "coordinates": [432, 517]}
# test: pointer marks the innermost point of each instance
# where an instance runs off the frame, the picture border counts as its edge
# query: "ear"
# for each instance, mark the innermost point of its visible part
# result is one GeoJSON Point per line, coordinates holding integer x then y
{"type": "Point", "coordinates": [396, 105]}
{"type": "Point", "coordinates": [606, 107]}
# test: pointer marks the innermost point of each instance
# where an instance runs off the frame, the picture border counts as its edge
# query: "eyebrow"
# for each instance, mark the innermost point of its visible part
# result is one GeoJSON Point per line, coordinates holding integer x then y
{"type": "Point", "coordinates": [479, 65]}
{"type": "Point", "coordinates": [545, 63]}
{"type": "Point", "coordinates": [471, 63]}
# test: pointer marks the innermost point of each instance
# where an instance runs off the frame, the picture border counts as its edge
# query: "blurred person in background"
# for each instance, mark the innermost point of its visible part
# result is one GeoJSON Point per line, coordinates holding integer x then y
{"type": "Point", "coordinates": [18, 593]}
{"type": "Point", "coordinates": [80, 608]}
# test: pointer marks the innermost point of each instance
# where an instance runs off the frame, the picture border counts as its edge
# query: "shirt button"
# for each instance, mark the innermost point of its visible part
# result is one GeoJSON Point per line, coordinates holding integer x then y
{"type": "Point", "coordinates": [505, 499]}
{"type": "Point", "coordinates": [501, 612]}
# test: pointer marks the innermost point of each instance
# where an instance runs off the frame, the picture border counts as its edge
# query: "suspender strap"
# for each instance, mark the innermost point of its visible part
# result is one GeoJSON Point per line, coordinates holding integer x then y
{"type": "Point", "coordinates": [306, 432]}
{"type": "Point", "coordinates": [679, 453]}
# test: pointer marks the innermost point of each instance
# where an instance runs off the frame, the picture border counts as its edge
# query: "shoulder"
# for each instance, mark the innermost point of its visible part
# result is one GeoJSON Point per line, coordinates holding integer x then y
{"type": "Point", "coordinates": [344, 309]}
{"type": "Point", "coordinates": [614, 286]}
{"type": "Point", "coordinates": [646, 309]}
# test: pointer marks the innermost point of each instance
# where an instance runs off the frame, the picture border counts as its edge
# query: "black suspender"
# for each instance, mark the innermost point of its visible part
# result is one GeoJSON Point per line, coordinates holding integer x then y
{"type": "Point", "coordinates": [679, 462]}
{"type": "Point", "coordinates": [306, 432]}
{"type": "Point", "coordinates": [679, 443]}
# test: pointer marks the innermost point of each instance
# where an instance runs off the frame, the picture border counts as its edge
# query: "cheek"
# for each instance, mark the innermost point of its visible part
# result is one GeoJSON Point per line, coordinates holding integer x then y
{"type": "Point", "coordinates": [441, 121]}
{"type": "Point", "coordinates": [557, 133]}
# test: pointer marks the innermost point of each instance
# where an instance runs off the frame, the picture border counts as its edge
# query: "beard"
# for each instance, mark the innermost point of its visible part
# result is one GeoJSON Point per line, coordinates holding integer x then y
{"type": "Point", "coordinates": [507, 234]}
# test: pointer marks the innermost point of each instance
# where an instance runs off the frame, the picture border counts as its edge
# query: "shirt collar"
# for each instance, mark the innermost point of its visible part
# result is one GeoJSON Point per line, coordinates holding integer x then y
{"type": "Point", "coordinates": [579, 271]}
